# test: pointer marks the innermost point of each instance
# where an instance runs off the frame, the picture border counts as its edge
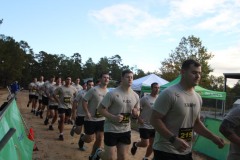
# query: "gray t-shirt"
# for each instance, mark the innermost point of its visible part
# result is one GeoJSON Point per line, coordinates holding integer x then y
{"type": "Point", "coordinates": [119, 102]}
{"type": "Point", "coordinates": [77, 86]}
{"type": "Point", "coordinates": [146, 105]}
{"type": "Point", "coordinates": [51, 100]}
{"type": "Point", "coordinates": [180, 110]}
{"type": "Point", "coordinates": [79, 99]}
{"type": "Point", "coordinates": [94, 96]}
{"type": "Point", "coordinates": [66, 96]}
{"type": "Point", "coordinates": [234, 117]}
{"type": "Point", "coordinates": [32, 88]}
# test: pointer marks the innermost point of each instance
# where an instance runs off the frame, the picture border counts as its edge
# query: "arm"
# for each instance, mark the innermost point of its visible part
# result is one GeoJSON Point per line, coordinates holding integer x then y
{"type": "Point", "coordinates": [85, 108]}
{"type": "Point", "coordinates": [104, 112]}
{"type": "Point", "coordinates": [203, 131]}
{"type": "Point", "coordinates": [74, 110]}
{"type": "Point", "coordinates": [227, 129]}
{"type": "Point", "coordinates": [156, 120]}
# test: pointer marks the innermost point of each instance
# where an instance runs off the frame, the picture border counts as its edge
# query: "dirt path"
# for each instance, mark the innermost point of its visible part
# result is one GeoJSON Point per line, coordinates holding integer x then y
{"type": "Point", "coordinates": [50, 148]}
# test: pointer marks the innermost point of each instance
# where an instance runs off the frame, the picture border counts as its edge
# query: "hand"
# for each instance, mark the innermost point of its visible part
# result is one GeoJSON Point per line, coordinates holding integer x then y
{"type": "Point", "coordinates": [180, 144]}
{"type": "Point", "coordinates": [117, 118]}
{"type": "Point", "coordinates": [88, 116]}
{"type": "Point", "coordinates": [218, 141]}
{"type": "Point", "coordinates": [140, 120]}
{"type": "Point", "coordinates": [134, 112]}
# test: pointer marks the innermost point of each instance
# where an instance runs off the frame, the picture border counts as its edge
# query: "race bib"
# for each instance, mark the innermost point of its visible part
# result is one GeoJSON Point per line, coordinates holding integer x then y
{"type": "Point", "coordinates": [126, 117]}
{"type": "Point", "coordinates": [97, 114]}
{"type": "Point", "coordinates": [67, 99]}
{"type": "Point", "coordinates": [185, 134]}
{"type": "Point", "coordinates": [34, 90]}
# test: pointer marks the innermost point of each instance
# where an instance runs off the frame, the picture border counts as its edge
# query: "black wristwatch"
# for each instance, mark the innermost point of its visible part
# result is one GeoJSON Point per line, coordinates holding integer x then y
{"type": "Point", "coordinates": [172, 139]}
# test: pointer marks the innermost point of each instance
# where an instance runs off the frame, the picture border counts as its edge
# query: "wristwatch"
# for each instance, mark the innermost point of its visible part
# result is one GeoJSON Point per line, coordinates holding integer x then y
{"type": "Point", "coordinates": [172, 139]}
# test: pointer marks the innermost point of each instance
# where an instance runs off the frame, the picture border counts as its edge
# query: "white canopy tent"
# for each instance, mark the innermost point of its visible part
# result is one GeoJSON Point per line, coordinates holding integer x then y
{"type": "Point", "coordinates": [147, 81]}
{"type": "Point", "coordinates": [236, 103]}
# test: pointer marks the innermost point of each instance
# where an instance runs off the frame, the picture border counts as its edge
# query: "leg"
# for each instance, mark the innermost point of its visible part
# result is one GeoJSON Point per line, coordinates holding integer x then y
{"type": "Point", "coordinates": [98, 142]}
{"type": "Point", "coordinates": [122, 150]}
{"type": "Point", "coordinates": [149, 148]}
{"type": "Point", "coordinates": [109, 153]}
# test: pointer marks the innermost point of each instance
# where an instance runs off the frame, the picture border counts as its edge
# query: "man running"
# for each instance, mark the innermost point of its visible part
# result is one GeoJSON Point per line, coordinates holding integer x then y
{"type": "Point", "coordinates": [77, 104]}
{"type": "Point", "coordinates": [146, 130]}
{"type": "Point", "coordinates": [93, 124]}
{"type": "Point", "coordinates": [64, 96]}
{"type": "Point", "coordinates": [52, 103]}
{"type": "Point", "coordinates": [118, 106]}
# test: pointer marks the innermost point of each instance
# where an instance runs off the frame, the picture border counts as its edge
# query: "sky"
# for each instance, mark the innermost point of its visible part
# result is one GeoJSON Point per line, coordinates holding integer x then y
{"type": "Point", "coordinates": [142, 32]}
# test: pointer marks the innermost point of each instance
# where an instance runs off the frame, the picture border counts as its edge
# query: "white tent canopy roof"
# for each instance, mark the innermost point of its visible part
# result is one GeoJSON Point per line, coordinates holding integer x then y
{"type": "Point", "coordinates": [147, 81]}
{"type": "Point", "coordinates": [236, 103]}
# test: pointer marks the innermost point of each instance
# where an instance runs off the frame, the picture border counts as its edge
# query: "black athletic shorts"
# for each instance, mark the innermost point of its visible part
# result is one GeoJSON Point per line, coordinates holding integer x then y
{"type": "Point", "coordinates": [146, 133]}
{"type": "Point", "coordinates": [33, 97]}
{"type": "Point", "coordinates": [40, 101]}
{"type": "Point", "coordinates": [79, 120]}
{"type": "Point", "coordinates": [115, 138]}
{"type": "Point", "coordinates": [67, 112]}
{"type": "Point", "coordinates": [45, 100]}
{"type": "Point", "coordinates": [92, 127]}
{"type": "Point", "coordinates": [54, 107]}
{"type": "Point", "coordinates": [170, 156]}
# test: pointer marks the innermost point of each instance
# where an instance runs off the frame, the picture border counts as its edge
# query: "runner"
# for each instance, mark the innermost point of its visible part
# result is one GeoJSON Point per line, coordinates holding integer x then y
{"type": "Point", "coordinates": [146, 130]}
{"type": "Point", "coordinates": [77, 104]}
{"type": "Point", "coordinates": [93, 120]}
{"type": "Point", "coordinates": [53, 104]}
{"type": "Point", "coordinates": [39, 93]}
{"type": "Point", "coordinates": [45, 98]}
{"type": "Point", "coordinates": [64, 96]}
{"type": "Point", "coordinates": [32, 87]}
{"type": "Point", "coordinates": [77, 84]}
{"type": "Point", "coordinates": [118, 106]}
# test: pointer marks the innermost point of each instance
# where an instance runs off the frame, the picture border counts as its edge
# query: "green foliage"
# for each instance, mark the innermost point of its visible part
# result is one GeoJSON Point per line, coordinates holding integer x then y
{"type": "Point", "coordinates": [188, 48]}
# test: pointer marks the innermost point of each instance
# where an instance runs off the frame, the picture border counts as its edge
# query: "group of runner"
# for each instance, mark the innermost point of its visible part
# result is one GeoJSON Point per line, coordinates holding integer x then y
{"type": "Point", "coordinates": [166, 121]}
{"type": "Point", "coordinates": [65, 99]}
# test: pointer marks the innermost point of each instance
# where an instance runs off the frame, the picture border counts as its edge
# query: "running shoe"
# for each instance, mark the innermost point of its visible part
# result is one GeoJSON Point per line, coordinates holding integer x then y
{"type": "Point", "coordinates": [50, 128]}
{"type": "Point", "coordinates": [72, 131]}
{"type": "Point", "coordinates": [96, 156]}
{"type": "Point", "coordinates": [61, 137]}
{"type": "Point", "coordinates": [81, 142]}
{"type": "Point", "coordinates": [83, 148]}
{"type": "Point", "coordinates": [37, 113]}
{"type": "Point", "coordinates": [40, 113]}
{"type": "Point", "coordinates": [46, 122]}
{"type": "Point", "coordinates": [90, 157]}
{"type": "Point", "coordinates": [134, 148]}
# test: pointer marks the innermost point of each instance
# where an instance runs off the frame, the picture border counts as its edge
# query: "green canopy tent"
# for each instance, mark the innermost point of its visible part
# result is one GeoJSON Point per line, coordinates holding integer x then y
{"type": "Point", "coordinates": [204, 93]}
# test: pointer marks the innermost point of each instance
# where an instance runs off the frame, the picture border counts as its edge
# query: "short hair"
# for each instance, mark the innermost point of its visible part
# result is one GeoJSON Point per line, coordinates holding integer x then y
{"type": "Point", "coordinates": [187, 63]}
{"type": "Point", "coordinates": [58, 77]}
{"type": "Point", "coordinates": [107, 73]}
{"type": "Point", "coordinates": [89, 81]}
{"type": "Point", "coordinates": [68, 77]}
{"type": "Point", "coordinates": [126, 72]}
{"type": "Point", "coordinates": [154, 83]}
